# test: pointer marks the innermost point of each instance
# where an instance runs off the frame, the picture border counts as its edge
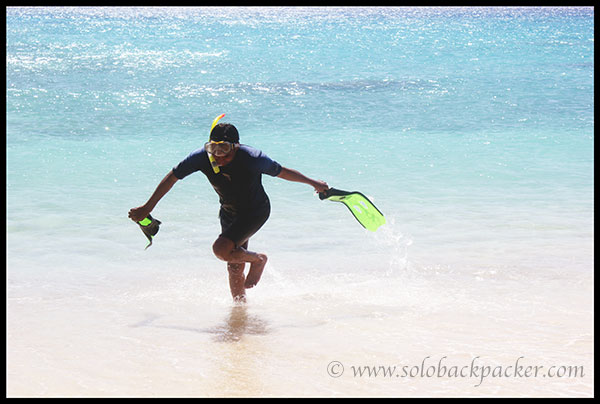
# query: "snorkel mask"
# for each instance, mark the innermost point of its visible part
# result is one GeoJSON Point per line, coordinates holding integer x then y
{"type": "Point", "coordinates": [219, 149]}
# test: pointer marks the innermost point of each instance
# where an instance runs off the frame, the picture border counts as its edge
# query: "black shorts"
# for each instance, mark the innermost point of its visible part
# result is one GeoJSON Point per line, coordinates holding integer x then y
{"type": "Point", "coordinates": [240, 227]}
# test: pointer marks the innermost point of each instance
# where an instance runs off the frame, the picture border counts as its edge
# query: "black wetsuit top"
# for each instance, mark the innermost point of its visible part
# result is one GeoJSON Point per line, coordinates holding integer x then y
{"type": "Point", "coordinates": [239, 183]}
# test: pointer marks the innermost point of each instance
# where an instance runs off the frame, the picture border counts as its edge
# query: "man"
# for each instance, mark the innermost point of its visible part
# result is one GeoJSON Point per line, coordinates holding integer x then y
{"type": "Point", "coordinates": [235, 174]}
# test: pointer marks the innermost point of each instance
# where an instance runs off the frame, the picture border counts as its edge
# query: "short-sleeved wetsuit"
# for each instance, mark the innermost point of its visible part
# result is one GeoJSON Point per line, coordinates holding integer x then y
{"type": "Point", "coordinates": [245, 206]}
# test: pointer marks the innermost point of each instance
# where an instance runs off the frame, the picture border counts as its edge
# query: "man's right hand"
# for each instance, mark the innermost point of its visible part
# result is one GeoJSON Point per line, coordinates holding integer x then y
{"type": "Point", "coordinates": [139, 213]}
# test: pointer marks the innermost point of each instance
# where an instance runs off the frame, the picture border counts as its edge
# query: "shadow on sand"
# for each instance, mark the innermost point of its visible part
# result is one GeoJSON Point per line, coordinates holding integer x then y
{"type": "Point", "coordinates": [237, 324]}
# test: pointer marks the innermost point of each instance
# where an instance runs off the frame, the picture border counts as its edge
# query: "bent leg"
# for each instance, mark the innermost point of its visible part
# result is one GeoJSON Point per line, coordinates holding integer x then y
{"type": "Point", "coordinates": [255, 272]}
{"type": "Point", "coordinates": [225, 250]}
{"type": "Point", "coordinates": [236, 230]}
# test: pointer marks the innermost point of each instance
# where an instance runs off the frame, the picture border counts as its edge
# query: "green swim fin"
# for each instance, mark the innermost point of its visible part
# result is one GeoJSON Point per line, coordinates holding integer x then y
{"type": "Point", "coordinates": [361, 207]}
{"type": "Point", "coordinates": [150, 227]}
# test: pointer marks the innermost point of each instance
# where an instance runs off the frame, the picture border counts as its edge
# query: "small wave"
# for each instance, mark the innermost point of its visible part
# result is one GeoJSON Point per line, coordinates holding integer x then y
{"type": "Point", "coordinates": [123, 56]}
{"type": "Point", "coordinates": [296, 88]}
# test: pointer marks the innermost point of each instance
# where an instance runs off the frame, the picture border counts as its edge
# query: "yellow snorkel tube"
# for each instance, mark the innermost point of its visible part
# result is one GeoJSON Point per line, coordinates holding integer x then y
{"type": "Point", "coordinates": [213, 162]}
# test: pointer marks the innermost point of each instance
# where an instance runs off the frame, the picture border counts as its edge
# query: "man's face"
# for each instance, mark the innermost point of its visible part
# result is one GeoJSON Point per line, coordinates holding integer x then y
{"type": "Point", "coordinates": [223, 152]}
{"type": "Point", "coordinates": [226, 159]}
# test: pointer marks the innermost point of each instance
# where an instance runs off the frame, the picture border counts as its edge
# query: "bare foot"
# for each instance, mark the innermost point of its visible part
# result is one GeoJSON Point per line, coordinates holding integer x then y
{"type": "Point", "coordinates": [239, 300]}
{"type": "Point", "coordinates": [256, 270]}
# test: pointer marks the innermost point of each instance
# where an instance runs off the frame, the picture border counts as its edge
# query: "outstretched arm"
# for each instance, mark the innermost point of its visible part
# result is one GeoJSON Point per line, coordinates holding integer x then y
{"type": "Point", "coordinates": [141, 212]}
{"type": "Point", "coordinates": [296, 176]}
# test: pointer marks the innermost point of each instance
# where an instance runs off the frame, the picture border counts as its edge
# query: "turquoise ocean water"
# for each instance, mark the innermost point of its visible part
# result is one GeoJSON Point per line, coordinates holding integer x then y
{"type": "Point", "coordinates": [472, 130]}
